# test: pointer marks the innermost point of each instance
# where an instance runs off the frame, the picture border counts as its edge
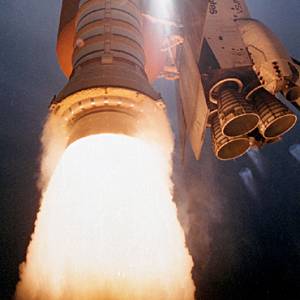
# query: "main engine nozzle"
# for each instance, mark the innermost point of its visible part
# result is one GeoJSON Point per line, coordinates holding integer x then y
{"type": "Point", "coordinates": [108, 90]}
{"type": "Point", "coordinates": [237, 116]}
{"type": "Point", "coordinates": [227, 148]}
{"type": "Point", "coordinates": [276, 118]}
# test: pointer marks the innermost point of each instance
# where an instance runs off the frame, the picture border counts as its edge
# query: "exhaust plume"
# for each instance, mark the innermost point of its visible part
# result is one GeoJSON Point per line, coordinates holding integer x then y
{"type": "Point", "coordinates": [107, 227]}
{"type": "Point", "coordinates": [257, 159]}
{"type": "Point", "coordinates": [248, 179]}
{"type": "Point", "coordinates": [295, 151]}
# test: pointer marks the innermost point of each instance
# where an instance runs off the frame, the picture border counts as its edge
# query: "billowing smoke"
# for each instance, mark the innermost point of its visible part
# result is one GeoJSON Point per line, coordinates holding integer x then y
{"type": "Point", "coordinates": [248, 180]}
{"type": "Point", "coordinates": [107, 227]}
{"type": "Point", "coordinates": [295, 151]}
{"type": "Point", "coordinates": [54, 141]}
{"type": "Point", "coordinates": [198, 193]}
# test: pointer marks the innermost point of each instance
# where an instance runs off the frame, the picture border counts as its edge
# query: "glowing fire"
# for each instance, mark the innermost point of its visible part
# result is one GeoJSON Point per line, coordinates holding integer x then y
{"type": "Point", "coordinates": [107, 227]}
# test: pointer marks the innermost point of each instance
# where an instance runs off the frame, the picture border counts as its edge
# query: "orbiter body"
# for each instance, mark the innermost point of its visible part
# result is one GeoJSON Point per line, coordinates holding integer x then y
{"type": "Point", "coordinates": [229, 69]}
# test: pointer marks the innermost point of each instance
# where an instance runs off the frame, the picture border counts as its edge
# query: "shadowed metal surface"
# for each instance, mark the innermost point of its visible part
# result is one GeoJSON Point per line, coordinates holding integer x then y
{"type": "Point", "coordinates": [237, 116]}
{"type": "Point", "coordinates": [227, 148]}
{"type": "Point", "coordinates": [276, 118]}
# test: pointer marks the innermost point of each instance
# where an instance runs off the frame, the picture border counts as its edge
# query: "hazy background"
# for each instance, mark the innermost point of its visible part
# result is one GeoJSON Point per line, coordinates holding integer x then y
{"type": "Point", "coordinates": [241, 218]}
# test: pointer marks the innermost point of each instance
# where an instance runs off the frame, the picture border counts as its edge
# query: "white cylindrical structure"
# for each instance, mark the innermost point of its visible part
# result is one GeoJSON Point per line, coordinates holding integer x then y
{"type": "Point", "coordinates": [271, 60]}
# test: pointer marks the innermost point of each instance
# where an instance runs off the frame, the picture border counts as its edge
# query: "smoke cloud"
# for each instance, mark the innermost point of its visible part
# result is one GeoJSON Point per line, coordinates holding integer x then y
{"type": "Point", "coordinates": [54, 141]}
{"type": "Point", "coordinates": [197, 192]}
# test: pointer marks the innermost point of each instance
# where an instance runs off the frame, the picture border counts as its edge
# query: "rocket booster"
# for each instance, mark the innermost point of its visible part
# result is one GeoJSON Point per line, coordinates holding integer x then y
{"type": "Point", "coordinates": [108, 90]}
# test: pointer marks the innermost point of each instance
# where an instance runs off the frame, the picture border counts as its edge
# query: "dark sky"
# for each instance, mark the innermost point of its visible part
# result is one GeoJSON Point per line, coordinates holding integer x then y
{"type": "Point", "coordinates": [245, 242]}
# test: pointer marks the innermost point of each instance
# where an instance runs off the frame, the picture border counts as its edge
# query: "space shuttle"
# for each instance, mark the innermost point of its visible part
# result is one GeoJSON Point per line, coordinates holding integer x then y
{"type": "Point", "coordinates": [233, 76]}
{"type": "Point", "coordinates": [246, 80]}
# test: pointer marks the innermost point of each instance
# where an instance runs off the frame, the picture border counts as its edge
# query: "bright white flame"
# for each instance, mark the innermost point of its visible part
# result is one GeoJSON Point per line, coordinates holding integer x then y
{"type": "Point", "coordinates": [108, 228]}
{"type": "Point", "coordinates": [163, 10]}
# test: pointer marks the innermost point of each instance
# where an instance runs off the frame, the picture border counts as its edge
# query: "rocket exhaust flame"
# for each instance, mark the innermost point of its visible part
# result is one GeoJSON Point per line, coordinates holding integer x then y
{"type": "Point", "coordinates": [107, 227]}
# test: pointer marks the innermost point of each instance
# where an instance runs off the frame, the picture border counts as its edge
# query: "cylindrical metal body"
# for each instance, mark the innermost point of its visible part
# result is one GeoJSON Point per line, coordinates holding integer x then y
{"type": "Point", "coordinates": [276, 118]}
{"type": "Point", "coordinates": [108, 48]}
{"type": "Point", "coordinates": [109, 31]}
{"type": "Point", "coordinates": [108, 90]}
{"type": "Point", "coordinates": [227, 148]}
{"type": "Point", "coordinates": [237, 116]}
{"type": "Point", "coordinates": [154, 32]}
{"type": "Point", "coordinates": [66, 35]}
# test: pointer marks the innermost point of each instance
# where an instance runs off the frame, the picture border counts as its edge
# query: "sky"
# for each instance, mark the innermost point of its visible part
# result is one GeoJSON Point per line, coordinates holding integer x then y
{"type": "Point", "coordinates": [241, 218]}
